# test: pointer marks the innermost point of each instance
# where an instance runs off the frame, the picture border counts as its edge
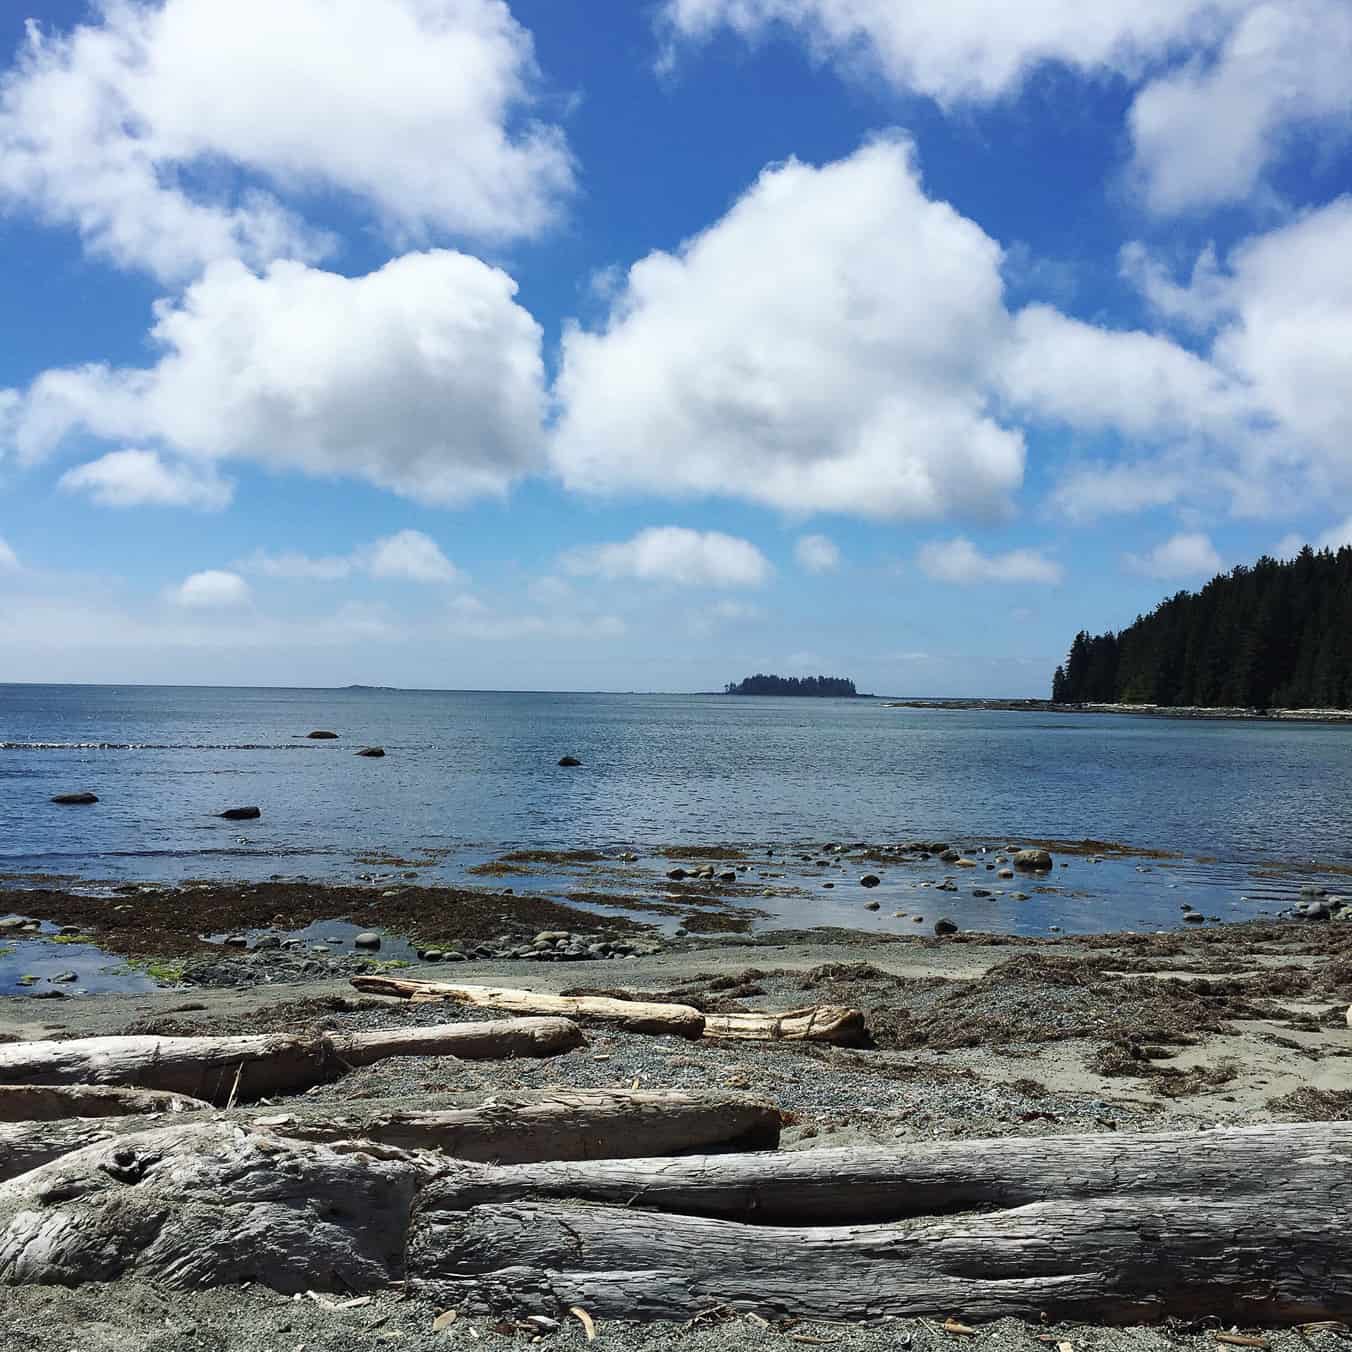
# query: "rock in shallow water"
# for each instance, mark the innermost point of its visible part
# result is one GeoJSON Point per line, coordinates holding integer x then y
{"type": "Point", "coordinates": [372, 752]}
{"type": "Point", "coordinates": [869, 880]}
{"type": "Point", "coordinates": [945, 926]}
{"type": "Point", "coordinates": [1033, 859]}
{"type": "Point", "coordinates": [322, 735]}
{"type": "Point", "coordinates": [569, 761]}
{"type": "Point", "coordinates": [367, 939]}
{"type": "Point", "coordinates": [75, 799]}
{"type": "Point", "coordinates": [241, 814]}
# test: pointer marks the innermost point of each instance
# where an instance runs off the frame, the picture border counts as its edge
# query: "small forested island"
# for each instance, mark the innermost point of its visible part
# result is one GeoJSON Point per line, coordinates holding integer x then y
{"type": "Point", "coordinates": [833, 686]}
{"type": "Point", "coordinates": [1277, 635]}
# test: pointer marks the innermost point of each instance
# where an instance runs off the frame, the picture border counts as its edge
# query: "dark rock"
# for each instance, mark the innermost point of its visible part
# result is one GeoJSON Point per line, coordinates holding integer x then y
{"type": "Point", "coordinates": [676, 874]}
{"type": "Point", "coordinates": [266, 942]}
{"type": "Point", "coordinates": [1194, 918]}
{"type": "Point", "coordinates": [66, 976]}
{"type": "Point", "coordinates": [980, 892]}
{"type": "Point", "coordinates": [372, 752]}
{"type": "Point", "coordinates": [241, 814]}
{"type": "Point", "coordinates": [68, 929]}
{"type": "Point", "coordinates": [872, 905]}
{"type": "Point", "coordinates": [236, 941]}
{"type": "Point", "coordinates": [869, 880]}
{"type": "Point", "coordinates": [75, 799]}
{"type": "Point", "coordinates": [49, 994]}
{"type": "Point", "coordinates": [367, 939]}
{"type": "Point", "coordinates": [430, 954]}
{"type": "Point", "coordinates": [945, 926]}
{"type": "Point", "coordinates": [949, 856]}
{"type": "Point", "coordinates": [322, 735]}
{"type": "Point", "coordinates": [727, 876]}
{"type": "Point", "coordinates": [1036, 860]}
{"type": "Point", "coordinates": [569, 761]}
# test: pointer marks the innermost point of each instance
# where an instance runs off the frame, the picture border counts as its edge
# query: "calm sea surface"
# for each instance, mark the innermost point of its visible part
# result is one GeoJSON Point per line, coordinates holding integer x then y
{"type": "Point", "coordinates": [468, 775]}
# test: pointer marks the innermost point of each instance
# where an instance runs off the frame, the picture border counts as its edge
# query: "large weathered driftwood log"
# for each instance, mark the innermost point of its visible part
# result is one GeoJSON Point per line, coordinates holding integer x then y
{"type": "Point", "coordinates": [1245, 1224]}
{"type": "Point", "coordinates": [221, 1068]}
{"type": "Point", "coordinates": [570, 1124]}
{"type": "Point", "coordinates": [824, 1023]}
{"type": "Point", "coordinates": [55, 1102]}
{"type": "Point", "coordinates": [641, 1016]}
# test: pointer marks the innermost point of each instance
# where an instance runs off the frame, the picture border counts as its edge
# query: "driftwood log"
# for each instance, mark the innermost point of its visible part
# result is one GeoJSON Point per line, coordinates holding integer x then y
{"type": "Point", "coordinates": [816, 1023]}
{"type": "Point", "coordinates": [221, 1069]}
{"type": "Point", "coordinates": [55, 1102]}
{"type": "Point", "coordinates": [571, 1124]}
{"type": "Point", "coordinates": [1246, 1224]}
{"type": "Point", "coordinates": [639, 1016]}
{"type": "Point", "coordinates": [825, 1023]}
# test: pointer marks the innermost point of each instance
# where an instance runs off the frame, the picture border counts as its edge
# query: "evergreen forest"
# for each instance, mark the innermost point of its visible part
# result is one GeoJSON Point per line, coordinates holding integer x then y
{"type": "Point", "coordinates": [1277, 635]}
{"type": "Point", "coordinates": [760, 684]}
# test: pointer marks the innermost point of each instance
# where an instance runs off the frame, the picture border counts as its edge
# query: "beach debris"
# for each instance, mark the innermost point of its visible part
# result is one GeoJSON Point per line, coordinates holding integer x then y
{"type": "Point", "coordinates": [1239, 1339]}
{"type": "Point", "coordinates": [241, 814]}
{"type": "Point", "coordinates": [444, 1320]}
{"type": "Point", "coordinates": [954, 1326]}
{"type": "Point", "coordinates": [75, 799]}
{"type": "Point", "coordinates": [587, 1322]}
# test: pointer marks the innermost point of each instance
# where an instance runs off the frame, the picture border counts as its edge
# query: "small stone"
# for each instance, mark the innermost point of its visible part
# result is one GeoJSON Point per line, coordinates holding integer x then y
{"type": "Point", "coordinates": [676, 874]}
{"type": "Point", "coordinates": [980, 892]}
{"type": "Point", "coordinates": [372, 752]}
{"type": "Point", "coordinates": [1194, 918]}
{"type": "Point", "coordinates": [68, 929]}
{"type": "Point", "coordinates": [869, 880]}
{"type": "Point", "coordinates": [727, 876]}
{"type": "Point", "coordinates": [266, 942]}
{"type": "Point", "coordinates": [945, 926]}
{"type": "Point", "coordinates": [66, 976]}
{"type": "Point", "coordinates": [367, 939]}
{"type": "Point", "coordinates": [872, 905]}
{"type": "Point", "coordinates": [1020, 896]}
{"type": "Point", "coordinates": [828, 885]}
{"type": "Point", "coordinates": [321, 735]}
{"type": "Point", "coordinates": [568, 762]}
{"type": "Point", "coordinates": [962, 862]}
{"type": "Point", "coordinates": [237, 941]}
{"type": "Point", "coordinates": [1005, 873]}
{"type": "Point", "coordinates": [949, 856]}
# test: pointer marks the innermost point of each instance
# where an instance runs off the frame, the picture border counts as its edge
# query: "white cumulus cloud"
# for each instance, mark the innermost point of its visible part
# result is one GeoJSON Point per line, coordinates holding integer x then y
{"type": "Point", "coordinates": [825, 345]}
{"type": "Point", "coordinates": [134, 478]}
{"type": "Point", "coordinates": [408, 555]}
{"type": "Point", "coordinates": [817, 554]}
{"type": "Point", "coordinates": [419, 109]}
{"type": "Point", "coordinates": [688, 558]}
{"type": "Point", "coordinates": [412, 556]}
{"type": "Point", "coordinates": [1205, 133]}
{"type": "Point", "coordinates": [960, 561]}
{"type": "Point", "coordinates": [1187, 555]}
{"type": "Point", "coordinates": [424, 377]}
{"type": "Point", "coordinates": [211, 590]}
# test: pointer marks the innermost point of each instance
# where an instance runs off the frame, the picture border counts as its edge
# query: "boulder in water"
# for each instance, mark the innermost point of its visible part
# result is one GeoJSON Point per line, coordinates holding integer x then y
{"type": "Point", "coordinates": [322, 735]}
{"type": "Point", "coordinates": [869, 880]}
{"type": "Point", "coordinates": [1036, 860]}
{"type": "Point", "coordinates": [241, 814]}
{"type": "Point", "coordinates": [945, 926]}
{"type": "Point", "coordinates": [367, 939]}
{"type": "Point", "coordinates": [75, 799]}
{"type": "Point", "coordinates": [569, 761]}
{"type": "Point", "coordinates": [373, 752]}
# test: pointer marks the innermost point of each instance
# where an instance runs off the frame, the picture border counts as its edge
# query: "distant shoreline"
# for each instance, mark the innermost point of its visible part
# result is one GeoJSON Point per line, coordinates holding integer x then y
{"type": "Point", "coordinates": [1192, 712]}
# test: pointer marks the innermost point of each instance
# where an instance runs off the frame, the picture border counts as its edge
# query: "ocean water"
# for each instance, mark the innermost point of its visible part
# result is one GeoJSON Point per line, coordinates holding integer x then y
{"type": "Point", "coordinates": [1251, 808]}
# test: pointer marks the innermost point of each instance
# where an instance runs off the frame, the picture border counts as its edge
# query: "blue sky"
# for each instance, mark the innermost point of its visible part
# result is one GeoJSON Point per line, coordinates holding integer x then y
{"type": "Point", "coordinates": [561, 345]}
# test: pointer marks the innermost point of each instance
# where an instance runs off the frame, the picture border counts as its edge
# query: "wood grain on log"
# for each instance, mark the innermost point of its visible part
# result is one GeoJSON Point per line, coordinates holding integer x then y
{"type": "Point", "coordinates": [54, 1102]}
{"type": "Point", "coordinates": [571, 1124]}
{"type": "Point", "coordinates": [640, 1016]}
{"type": "Point", "coordinates": [244, 1067]}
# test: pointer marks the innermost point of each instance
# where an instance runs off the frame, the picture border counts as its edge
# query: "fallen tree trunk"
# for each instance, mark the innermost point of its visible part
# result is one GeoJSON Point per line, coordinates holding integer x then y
{"type": "Point", "coordinates": [573, 1124]}
{"type": "Point", "coordinates": [220, 1069]}
{"type": "Point", "coordinates": [1188, 1224]}
{"type": "Point", "coordinates": [816, 1023]}
{"type": "Point", "coordinates": [640, 1016]}
{"type": "Point", "coordinates": [824, 1023]}
{"type": "Point", "coordinates": [54, 1102]}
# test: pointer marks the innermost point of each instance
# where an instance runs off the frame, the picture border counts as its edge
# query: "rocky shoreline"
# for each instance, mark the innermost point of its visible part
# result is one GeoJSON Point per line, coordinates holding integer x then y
{"type": "Point", "coordinates": [971, 1035]}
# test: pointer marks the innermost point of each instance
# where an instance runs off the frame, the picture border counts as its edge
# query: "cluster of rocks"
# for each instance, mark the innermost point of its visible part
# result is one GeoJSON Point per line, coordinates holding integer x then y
{"type": "Point", "coordinates": [707, 874]}
{"type": "Point", "coordinates": [1316, 903]}
{"type": "Point", "coordinates": [547, 946]}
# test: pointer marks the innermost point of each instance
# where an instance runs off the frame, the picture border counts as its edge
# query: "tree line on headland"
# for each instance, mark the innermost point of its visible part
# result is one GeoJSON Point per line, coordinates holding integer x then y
{"type": "Point", "coordinates": [761, 684]}
{"type": "Point", "coordinates": [1277, 635]}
